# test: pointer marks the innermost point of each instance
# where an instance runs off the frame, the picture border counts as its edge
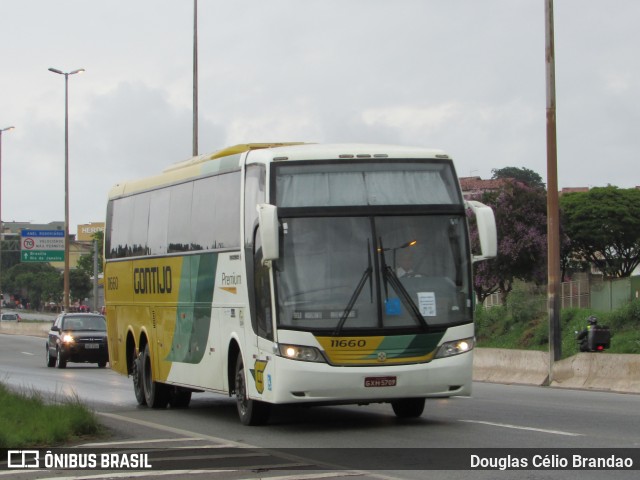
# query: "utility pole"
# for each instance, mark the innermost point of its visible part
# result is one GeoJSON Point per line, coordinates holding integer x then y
{"type": "Point", "coordinates": [553, 212]}
{"type": "Point", "coordinates": [95, 275]}
{"type": "Point", "coordinates": [1, 225]}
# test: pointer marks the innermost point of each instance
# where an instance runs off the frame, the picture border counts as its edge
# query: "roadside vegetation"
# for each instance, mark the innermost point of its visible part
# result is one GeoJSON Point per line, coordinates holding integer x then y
{"type": "Point", "coordinates": [523, 323]}
{"type": "Point", "coordinates": [27, 419]}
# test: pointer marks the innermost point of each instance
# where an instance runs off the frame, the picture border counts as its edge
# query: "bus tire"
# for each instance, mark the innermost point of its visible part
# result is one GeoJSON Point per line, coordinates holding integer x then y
{"type": "Point", "coordinates": [136, 373]}
{"type": "Point", "coordinates": [179, 397]}
{"type": "Point", "coordinates": [251, 412]}
{"type": "Point", "coordinates": [408, 407]}
{"type": "Point", "coordinates": [156, 394]}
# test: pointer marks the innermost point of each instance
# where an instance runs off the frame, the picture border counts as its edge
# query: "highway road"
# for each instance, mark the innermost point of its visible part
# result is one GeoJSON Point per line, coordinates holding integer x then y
{"type": "Point", "coordinates": [502, 417]}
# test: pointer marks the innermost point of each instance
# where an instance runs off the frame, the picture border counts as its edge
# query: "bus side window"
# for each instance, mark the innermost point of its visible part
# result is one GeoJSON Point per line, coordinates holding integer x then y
{"type": "Point", "coordinates": [262, 290]}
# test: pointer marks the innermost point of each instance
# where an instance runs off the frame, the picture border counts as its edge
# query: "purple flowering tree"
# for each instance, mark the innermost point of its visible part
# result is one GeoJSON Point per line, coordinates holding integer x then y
{"type": "Point", "coordinates": [521, 221]}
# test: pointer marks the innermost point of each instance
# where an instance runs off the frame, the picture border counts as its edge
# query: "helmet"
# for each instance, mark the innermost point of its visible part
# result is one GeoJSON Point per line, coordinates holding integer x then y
{"type": "Point", "coordinates": [592, 320]}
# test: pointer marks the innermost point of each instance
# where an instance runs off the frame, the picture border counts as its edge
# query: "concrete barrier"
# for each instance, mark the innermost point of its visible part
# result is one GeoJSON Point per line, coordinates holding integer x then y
{"type": "Point", "coordinates": [591, 371]}
{"type": "Point", "coordinates": [37, 329]}
{"type": "Point", "coordinates": [500, 365]}
{"type": "Point", "coordinates": [599, 371]}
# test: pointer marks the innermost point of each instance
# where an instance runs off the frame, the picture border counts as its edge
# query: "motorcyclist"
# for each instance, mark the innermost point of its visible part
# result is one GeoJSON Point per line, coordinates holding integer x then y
{"type": "Point", "coordinates": [583, 336]}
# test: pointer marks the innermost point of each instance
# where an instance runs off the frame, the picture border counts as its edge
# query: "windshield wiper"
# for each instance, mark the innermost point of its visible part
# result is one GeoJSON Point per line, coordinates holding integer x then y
{"type": "Point", "coordinates": [354, 296]}
{"type": "Point", "coordinates": [390, 277]}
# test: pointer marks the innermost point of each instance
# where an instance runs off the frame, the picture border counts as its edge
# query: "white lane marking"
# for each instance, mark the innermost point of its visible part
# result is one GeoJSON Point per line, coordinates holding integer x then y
{"type": "Point", "coordinates": [519, 427]}
{"type": "Point", "coordinates": [310, 476]}
{"type": "Point", "coordinates": [28, 353]}
{"type": "Point", "coordinates": [180, 431]}
{"type": "Point", "coordinates": [222, 442]}
{"type": "Point", "coordinates": [17, 472]}
{"type": "Point", "coordinates": [130, 474]}
{"type": "Point", "coordinates": [153, 440]}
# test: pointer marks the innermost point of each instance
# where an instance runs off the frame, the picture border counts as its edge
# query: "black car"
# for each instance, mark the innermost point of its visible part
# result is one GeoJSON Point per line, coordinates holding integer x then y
{"type": "Point", "coordinates": [78, 338]}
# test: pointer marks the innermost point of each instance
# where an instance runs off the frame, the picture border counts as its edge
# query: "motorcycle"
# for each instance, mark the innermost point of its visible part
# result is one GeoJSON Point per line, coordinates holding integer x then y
{"type": "Point", "coordinates": [597, 338]}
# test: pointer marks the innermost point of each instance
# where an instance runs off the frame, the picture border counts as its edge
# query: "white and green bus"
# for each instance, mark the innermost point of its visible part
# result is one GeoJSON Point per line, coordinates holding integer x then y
{"type": "Point", "coordinates": [295, 274]}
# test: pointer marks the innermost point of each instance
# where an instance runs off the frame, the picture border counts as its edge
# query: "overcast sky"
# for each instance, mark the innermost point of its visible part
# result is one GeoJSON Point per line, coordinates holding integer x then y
{"type": "Point", "coordinates": [465, 76]}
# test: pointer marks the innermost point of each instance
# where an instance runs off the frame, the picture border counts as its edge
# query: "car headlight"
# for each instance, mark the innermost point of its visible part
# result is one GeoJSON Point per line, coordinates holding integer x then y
{"type": "Point", "coordinates": [67, 339]}
{"type": "Point", "coordinates": [456, 347]}
{"type": "Point", "coordinates": [297, 352]}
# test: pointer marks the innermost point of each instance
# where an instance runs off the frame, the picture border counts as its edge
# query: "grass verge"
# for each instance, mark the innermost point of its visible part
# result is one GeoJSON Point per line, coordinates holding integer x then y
{"type": "Point", "coordinates": [524, 324]}
{"type": "Point", "coordinates": [27, 420]}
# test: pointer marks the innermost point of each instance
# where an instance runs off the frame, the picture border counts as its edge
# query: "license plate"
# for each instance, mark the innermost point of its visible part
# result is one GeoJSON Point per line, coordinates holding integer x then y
{"type": "Point", "coordinates": [380, 381]}
{"type": "Point", "coordinates": [92, 346]}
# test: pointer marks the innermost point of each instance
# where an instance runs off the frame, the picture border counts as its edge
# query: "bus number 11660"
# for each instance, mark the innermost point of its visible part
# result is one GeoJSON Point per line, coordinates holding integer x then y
{"type": "Point", "coordinates": [343, 343]}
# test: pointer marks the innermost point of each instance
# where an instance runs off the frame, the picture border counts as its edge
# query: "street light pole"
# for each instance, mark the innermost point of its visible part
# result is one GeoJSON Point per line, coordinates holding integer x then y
{"type": "Point", "coordinates": [195, 78]}
{"type": "Point", "coordinates": [1, 225]}
{"type": "Point", "coordinates": [66, 180]}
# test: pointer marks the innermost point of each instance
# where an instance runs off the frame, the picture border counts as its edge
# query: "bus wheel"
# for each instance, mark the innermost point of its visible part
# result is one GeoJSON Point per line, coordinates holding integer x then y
{"type": "Point", "coordinates": [408, 407]}
{"type": "Point", "coordinates": [136, 373]}
{"type": "Point", "coordinates": [179, 397]}
{"type": "Point", "coordinates": [251, 412]}
{"type": "Point", "coordinates": [155, 393]}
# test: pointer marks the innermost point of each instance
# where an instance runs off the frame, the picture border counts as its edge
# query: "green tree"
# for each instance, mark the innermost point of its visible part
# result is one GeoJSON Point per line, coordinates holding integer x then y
{"type": "Point", "coordinates": [85, 262]}
{"type": "Point", "coordinates": [10, 252]}
{"type": "Point", "coordinates": [524, 175]}
{"type": "Point", "coordinates": [604, 227]}
{"type": "Point", "coordinates": [79, 284]}
{"type": "Point", "coordinates": [38, 282]}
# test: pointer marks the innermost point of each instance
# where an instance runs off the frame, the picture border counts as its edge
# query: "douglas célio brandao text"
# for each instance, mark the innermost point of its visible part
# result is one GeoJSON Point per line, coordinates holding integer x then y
{"type": "Point", "coordinates": [551, 462]}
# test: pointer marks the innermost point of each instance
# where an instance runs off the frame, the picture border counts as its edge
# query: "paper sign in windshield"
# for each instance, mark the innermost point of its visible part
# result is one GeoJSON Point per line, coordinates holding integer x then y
{"type": "Point", "coordinates": [427, 304]}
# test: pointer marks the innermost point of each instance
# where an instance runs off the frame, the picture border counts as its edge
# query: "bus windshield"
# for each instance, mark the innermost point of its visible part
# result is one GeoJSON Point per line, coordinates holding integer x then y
{"type": "Point", "coordinates": [373, 273]}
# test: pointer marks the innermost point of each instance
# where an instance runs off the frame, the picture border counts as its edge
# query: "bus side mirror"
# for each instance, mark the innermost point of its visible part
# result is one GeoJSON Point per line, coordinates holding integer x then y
{"type": "Point", "coordinates": [486, 230]}
{"type": "Point", "coordinates": [268, 221]}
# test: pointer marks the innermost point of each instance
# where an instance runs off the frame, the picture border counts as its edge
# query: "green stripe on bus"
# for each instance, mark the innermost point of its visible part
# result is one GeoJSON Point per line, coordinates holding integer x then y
{"type": "Point", "coordinates": [408, 346]}
{"type": "Point", "coordinates": [193, 316]}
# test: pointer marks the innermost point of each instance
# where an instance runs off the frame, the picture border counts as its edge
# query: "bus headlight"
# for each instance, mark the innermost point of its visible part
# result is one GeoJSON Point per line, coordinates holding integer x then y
{"type": "Point", "coordinates": [298, 352]}
{"type": "Point", "coordinates": [448, 349]}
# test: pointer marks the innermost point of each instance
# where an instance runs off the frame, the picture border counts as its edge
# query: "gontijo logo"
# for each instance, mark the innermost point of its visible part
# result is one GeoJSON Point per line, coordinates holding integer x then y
{"type": "Point", "coordinates": [150, 280]}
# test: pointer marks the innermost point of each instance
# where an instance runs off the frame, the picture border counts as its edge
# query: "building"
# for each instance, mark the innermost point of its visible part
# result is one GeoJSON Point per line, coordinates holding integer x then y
{"type": "Point", "coordinates": [574, 190]}
{"type": "Point", "coordinates": [475, 185]}
{"type": "Point", "coordinates": [88, 230]}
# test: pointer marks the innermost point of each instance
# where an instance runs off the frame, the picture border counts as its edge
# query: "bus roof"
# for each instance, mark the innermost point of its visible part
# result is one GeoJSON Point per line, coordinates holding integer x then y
{"type": "Point", "coordinates": [223, 160]}
{"type": "Point", "coordinates": [342, 151]}
{"type": "Point", "coordinates": [228, 159]}
{"type": "Point", "coordinates": [225, 152]}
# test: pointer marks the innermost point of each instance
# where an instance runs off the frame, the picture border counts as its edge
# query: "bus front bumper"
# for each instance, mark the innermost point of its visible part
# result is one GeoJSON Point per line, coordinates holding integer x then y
{"type": "Point", "coordinates": [291, 381]}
